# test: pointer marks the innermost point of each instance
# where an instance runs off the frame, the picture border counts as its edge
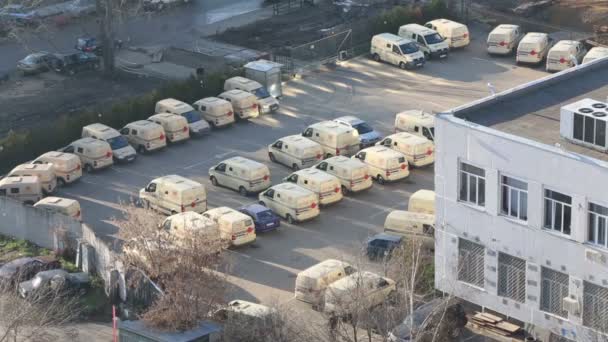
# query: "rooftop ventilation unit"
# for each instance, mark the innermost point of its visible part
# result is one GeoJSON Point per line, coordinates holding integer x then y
{"type": "Point", "coordinates": [585, 122]}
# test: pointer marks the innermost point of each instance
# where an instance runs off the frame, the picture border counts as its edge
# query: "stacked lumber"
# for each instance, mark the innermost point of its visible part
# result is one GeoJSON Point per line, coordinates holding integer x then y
{"type": "Point", "coordinates": [494, 324]}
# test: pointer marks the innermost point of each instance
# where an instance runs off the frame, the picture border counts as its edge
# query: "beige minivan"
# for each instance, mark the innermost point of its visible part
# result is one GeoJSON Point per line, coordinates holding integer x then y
{"type": "Point", "coordinates": [66, 166]}
{"type": "Point", "coordinates": [44, 172]}
{"type": "Point", "coordinates": [312, 282]}
{"type": "Point", "coordinates": [217, 112]}
{"type": "Point", "coordinates": [326, 186]}
{"type": "Point", "coordinates": [196, 125]}
{"type": "Point", "coordinates": [412, 224]}
{"type": "Point", "coordinates": [145, 136]}
{"type": "Point", "coordinates": [94, 154]}
{"type": "Point", "coordinates": [336, 139]}
{"type": "Point", "coordinates": [416, 122]}
{"type": "Point", "coordinates": [352, 173]}
{"type": "Point", "coordinates": [243, 103]}
{"type": "Point", "coordinates": [65, 206]}
{"type": "Point", "coordinates": [241, 174]}
{"type": "Point", "coordinates": [455, 34]}
{"type": "Point", "coordinates": [358, 290]}
{"type": "Point", "coordinates": [384, 164]}
{"type": "Point", "coordinates": [503, 39]}
{"type": "Point", "coordinates": [184, 225]}
{"type": "Point", "coordinates": [121, 150]}
{"type": "Point", "coordinates": [533, 48]}
{"type": "Point", "coordinates": [174, 194]}
{"type": "Point", "coordinates": [25, 189]}
{"type": "Point", "coordinates": [295, 151]}
{"type": "Point", "coordinates": [422, 201]}
{"type": "Point", "coordinates": [175, 126]}
{"type": "Point", "coordinates": [292, 202]}
{"type": "Point", "coordinates": [234, 226]}
{"type": "Point", "coordinates": [266, 103]}
{"type": "Point", "coordinates": [419, 151]}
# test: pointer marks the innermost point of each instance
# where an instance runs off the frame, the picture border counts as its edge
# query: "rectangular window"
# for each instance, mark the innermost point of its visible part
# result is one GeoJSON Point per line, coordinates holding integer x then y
{"type": "Point", "coordinates": [514, 198]}
{"type": "Point", "coordinates": [471, 262]}
{"type": "Point", "coordinates": [511, 277]}
{"type": "Point", "coordinates": [472, 184]}
{"type": "Point", "coordinates": [595, 307]}
{"type": "Point", "coordinates": [558, 211]}
{"type": "Point", "coordinates": [554, 288]}
{"type": "Point", "coordinates": [597, 225]}
{"type": "Point", "coordinates": [14, 190]}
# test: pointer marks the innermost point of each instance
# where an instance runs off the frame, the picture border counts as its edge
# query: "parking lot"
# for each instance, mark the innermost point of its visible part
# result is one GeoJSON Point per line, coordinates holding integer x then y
{"type": "Point", "coordinates": [265, 271]}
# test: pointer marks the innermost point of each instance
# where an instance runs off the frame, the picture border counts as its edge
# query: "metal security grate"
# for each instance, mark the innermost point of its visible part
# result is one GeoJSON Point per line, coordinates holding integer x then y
{"type": "Point", "coordinates": [511, 277]}
{"type": "Point", "coordinates": [554, 288]}
{"type": "Point", "coordinates": [471, 262]}
{"type": "Point", "coordinates": [595, 307]}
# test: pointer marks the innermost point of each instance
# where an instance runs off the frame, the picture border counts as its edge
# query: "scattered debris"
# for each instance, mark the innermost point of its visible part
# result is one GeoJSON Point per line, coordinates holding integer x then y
{"type": "Point", "coordinates": [530, 8]}
{"type": "Point", "coordinates": [494, 324]}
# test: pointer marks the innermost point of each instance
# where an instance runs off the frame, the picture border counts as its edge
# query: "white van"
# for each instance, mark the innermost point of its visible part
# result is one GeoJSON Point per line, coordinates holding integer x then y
{"type": "Point", "coordinates": [358, 289]}
{"type": "Point", "coordinates": [174, 194]}
{"type": "Point", "coordinates": [25, 189]}
{"type": "Point", "coordinates": [422, 201]}
{"type": "Point", "coordinates": [565, 54]}
{"type": "Point", "coordinates": [503, 39]}
{"type": "Point", "coordinates": [396, 50]}
{"type": "Point", "coordinates": [175, 126]}
{"type": "Point", "coordinates": [234, 226]}
{"type": "Point", "coordinates": [145, 136]}
{"type": "Point", "coordinates": [247, 315]}
{"type": "Point", "coordinates": [336, 139]}
{"type": "Point", "coordinates": [312, 282]}
{"type": "Point", "coordinates": [295, 151]}
{"type": "Point", "coordinates": [429, 41]}
{"type": "Point", "coordinates": [61, 205]}
{"type": "Point", "coordinates": [596, 53]}
{"type": "Point", "coordinates": [94, 154]}
{"type": "Point", "coordinates": [241, 174]}
{"type": "Point", "coordinates": [407, 223]}
{"type": "Point", "coordinates": [384, 164]}
{"type": "Point", "coordinates": [455, 34]}
{"type": "Point", "coordinates": [533, 48]}
{"type": "Point", "coordinates": [184, 225]}
{"type": "Point", "coordinates": [216, 111]}
{"type": "Point", "coordinates": [66, 166]}
{"type": "Point", "coordinates": [416, 122]}
{"type": "Point", "coordinates": [352, 173]}
{"type": "Point", "coordinates": [419, 151]}
{"type": "Point", "coordinates": [326, 186]}
{"type": "Point", "coordinates": [244, 104]}
{"type": "Point", "coordinates": [292, 202]}
{"type": "Point", "coordinates": [121, 150]}
{"type": "Point", "coordinates": [266, 103]}
{"type": "Point", "coordinates": [197, 126]}
{"type": "Point", "coordinates": [44, 172]}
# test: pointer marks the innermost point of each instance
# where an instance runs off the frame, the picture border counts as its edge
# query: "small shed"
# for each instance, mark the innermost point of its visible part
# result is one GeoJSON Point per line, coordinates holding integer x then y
{"type": "Point", "coordinates": [137, 331]}
{"type": "Point", "coordinates": [266, 73]}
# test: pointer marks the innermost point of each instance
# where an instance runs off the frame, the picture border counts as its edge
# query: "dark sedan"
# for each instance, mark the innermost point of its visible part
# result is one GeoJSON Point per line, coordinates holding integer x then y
{"type": "Point", "coordinates": [382, 245]}
{"type": "Point", "coordinates": [37, 62]}
{"type": "Point", "coordinates": [264, 219]}
{"type": "Point", "coordinates": [23, 269]}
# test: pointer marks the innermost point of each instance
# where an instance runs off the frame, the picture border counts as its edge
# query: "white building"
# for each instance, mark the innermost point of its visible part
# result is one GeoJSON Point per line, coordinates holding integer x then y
{"type": "Point", "coordinates": [522, 213]}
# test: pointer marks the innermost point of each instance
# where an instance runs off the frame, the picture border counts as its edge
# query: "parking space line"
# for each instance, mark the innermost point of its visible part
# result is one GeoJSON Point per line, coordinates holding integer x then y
{"type": "Point", "coordinates": [217, 156]}
{"type": "Point", "coordinates": [269, 263]}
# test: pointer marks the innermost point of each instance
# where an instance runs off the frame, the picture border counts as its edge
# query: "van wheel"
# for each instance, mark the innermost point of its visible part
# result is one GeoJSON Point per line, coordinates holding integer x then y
{"type": "Point", "coordinates": [88, 168]}
{"type": "Point", "coordinates": [402, 66]}
{"type": "Point", "coordinates": [214, 181]}
{"type": "Point", "coordinates": [427, 56]}
{"type": "Point", "coordinates": [272, 158]}
{"type": "Point", "coordinates": [328, 156]}
{"type": "Point", "coordinates": [146, 204]}
{"type": "Point", "coordinates": [242, 191]}
{"type": "Point", "coordinates": [28, 203]}
{"type": "Point", "coordinates": [345, 190]}
{"type": "Point", "coordinates": [380, 179]}
{"type": "Point", "coordinates": [61, 182]}
{"type": "Point", "coordinates": [141, 149]}
{"type": "Point", "coordinates": [295, 167]}
{"type": "Point", "coordinates": [290, 219]}
{"type": "Point", "coordinates": [262, 203]}
{"type": "Point", "coordinates": [376, 57]}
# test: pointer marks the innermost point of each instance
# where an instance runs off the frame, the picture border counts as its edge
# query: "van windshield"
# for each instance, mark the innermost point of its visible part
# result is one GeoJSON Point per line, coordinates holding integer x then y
{"type": "Point", "coordinates": [433, 38]}
{"type": "Point", "coordinates": [192, 116]}
{"type": "Point", "coordinates": [261, 93]}
{"type": "Point", "coordinates": [363, 127]}
{"type": "Point", "coordinates": [408, 48]}
{"type": "Point", "coordinates": [118, 142]}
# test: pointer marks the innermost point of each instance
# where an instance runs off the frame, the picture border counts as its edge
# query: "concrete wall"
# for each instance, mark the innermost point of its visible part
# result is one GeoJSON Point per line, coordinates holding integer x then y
{"type": "Point", "coordinates": [540, 166]}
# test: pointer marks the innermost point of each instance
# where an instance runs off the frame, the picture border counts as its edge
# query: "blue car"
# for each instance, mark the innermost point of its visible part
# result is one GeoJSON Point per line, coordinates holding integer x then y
{"type": "Point", "coordinates": [382, 245]}
{"type": "Point", "coordinates": [367, 135]}
{"type": "Point", "coordinates": [264, 219]}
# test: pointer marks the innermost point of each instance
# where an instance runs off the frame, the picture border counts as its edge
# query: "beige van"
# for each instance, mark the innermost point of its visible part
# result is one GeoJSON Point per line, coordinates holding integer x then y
{"type": "Point", "coordinates": [241, 174]}
{"type": "Point", "coordinates": [175, 126]}
{"type": "Point", "coordinates": [422, 201]}
{"type": "Point", "coordinates": [183, 225]}
{"type": "Point", "coordinates": [266, 103]}
{"type": "Point", "coordinates": [360, 289]}
{"type": "Point", "coordinates": [428, 40]}
{"type": "Point", "coordinates": [244, 104]}
{"type": "Point", "coordinates": [565, 54]}
{"type": "Point", "coordinates": [94, 154]}
{"type": "Point", "coordinates": [66, 166]}
{"type": "Point", "coordinates": [533, 48]}
{"type": "Point", "coordinates": [352, 173]}
{"type": "Point", "coordinates": [234, 226]}
{"type": "Point", "coordinates": [121, 150]}
{"type": "Point", "coordinates": [416, 122]}
{"type": "Point", "coordinates": [248, 315]}
{"type": "Point", "coordinates": [384, 164]}
{"type": "Point", "coordinates": [419, 151]}
{"type": "Point", "coordinates": [595, 53]}
{"type": "Point", "coordinates": [216, 111]}
{"type": "Point", "coordinates": [174, 194]}
{"type": "Point", "coordinates": [312, 282]}
{"type": "Point", "coordinates": [455, 34]}
{"type": "Point", "coordinates": [411, 224]}
{"type": "Point", "coordinates": [292, 202]}
{"type": "Point", "coordinates": [503, 39]}
{"type": "Point", "coordinates": [44, 172]}
{"type": "Point", "coordinates": [145, 136]}
{"type": "Point", "coordinates": [25, 189]}
{"type": "Point", "coordinates": [61, 205]}
{"type": "Point", "coordinates": [196, 124]}
{"type": "Point", "coordinates": [336, 139]}
{"type": "Point", "coordinates": [295, 151]}
{"type": "Point", "coordinates": [326, 186]}
{"type": "Point", "coordinates": [399, 51]}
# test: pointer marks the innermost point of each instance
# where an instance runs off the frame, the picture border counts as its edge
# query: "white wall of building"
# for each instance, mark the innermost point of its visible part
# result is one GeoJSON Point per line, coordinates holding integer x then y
{"type": "Point", "coordinates": [541, 166]}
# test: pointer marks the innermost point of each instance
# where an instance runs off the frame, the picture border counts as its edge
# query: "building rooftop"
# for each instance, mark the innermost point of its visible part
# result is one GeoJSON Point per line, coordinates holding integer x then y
{"type": "Point", "coordinates": [532, 110]}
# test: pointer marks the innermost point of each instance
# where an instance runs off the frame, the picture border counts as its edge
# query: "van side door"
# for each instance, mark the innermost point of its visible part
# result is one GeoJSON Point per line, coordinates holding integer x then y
{"type": "Point", "coordinates": [220, 173]}
{"type": "Point", "coordinates": [279, 153]}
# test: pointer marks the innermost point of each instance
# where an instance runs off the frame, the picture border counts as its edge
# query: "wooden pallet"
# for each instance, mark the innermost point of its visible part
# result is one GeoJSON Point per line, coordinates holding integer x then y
{"type": "Point", "coordinates": [494, 324]}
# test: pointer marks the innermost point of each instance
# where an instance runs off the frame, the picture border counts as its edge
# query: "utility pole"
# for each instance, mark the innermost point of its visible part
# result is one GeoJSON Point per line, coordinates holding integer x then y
{"type": "Point", "coordinates": [106, 24]}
